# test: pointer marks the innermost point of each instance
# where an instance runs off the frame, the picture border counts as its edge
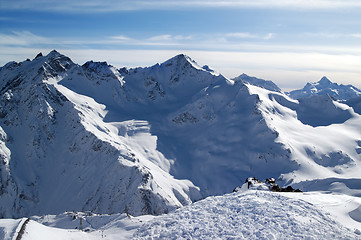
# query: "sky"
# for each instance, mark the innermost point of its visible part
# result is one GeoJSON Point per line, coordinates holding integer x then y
{"type": "Point", "coordinates": [290, 42]}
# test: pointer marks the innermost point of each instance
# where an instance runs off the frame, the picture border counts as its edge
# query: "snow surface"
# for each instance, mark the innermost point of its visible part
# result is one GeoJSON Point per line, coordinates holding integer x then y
{"type": "Point", "coordinates": [36, 231]}
{"type": "Point", "coordinates": [96, 139]}
{"type": "Point", "coordinates": [248, 214]}
{"type": "Point", "coordinates": [9, 228]}
{"type": "Point", "coordinates": [59, 153]}
{"type": "Point", "coordinates": [322, 152]}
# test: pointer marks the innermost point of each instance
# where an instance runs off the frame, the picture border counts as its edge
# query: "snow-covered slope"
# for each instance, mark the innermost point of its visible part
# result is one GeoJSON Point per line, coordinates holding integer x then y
{"type": "Point", "coordinates": [95, 138]}
{"type": "Point", "coordinates": [248, 214]}
{"type": "Point", "coordinates": [326, 87]}
{"type": "Point", "coordinates": [182, 102]}
{"type": "Point", "coordinates": [323, 149]}
{"type": "Point", "coordinates": [142, 93]}
{"type": "Point", "coordinates": [58, 153]}
{"type": "Point", "coordinates": [266, 84]}
{"type": "Point", "coordinates": [355, 103]}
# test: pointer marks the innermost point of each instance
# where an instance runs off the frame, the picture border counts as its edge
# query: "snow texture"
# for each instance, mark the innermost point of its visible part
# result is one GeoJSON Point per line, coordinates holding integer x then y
{"type": "Point", "coordinates": [150, 140]}
{"type": "Point", "coordinates": [254, 213]}
{"type": "Point", "coordinates": [247, 215]}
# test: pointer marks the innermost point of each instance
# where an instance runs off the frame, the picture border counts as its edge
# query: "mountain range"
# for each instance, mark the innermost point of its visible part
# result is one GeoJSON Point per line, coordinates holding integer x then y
{"type": "Point", "coordinates": [149, 140]}
{"type": "Point", "coordinates": [326, 87]}
{"type": "Point", "coordinates": [266, 84]}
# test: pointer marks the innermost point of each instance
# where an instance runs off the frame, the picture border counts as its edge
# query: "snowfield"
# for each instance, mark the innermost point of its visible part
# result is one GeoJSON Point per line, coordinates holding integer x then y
{"type": "Point", "coordinates": [91, 151]}
{"type": "Point", "coordinates": [248, 214]}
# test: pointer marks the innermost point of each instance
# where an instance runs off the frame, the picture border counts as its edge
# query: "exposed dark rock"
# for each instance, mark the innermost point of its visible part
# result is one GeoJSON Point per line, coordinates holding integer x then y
{"type": "Point", "coordinates": [39, 55]}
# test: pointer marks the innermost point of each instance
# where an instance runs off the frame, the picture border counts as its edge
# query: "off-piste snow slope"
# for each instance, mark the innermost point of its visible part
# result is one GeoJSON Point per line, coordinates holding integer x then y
{"type": "Point", "coordinates": [254, 213]}
{"type": "Point", "coordinates": [149, 140]}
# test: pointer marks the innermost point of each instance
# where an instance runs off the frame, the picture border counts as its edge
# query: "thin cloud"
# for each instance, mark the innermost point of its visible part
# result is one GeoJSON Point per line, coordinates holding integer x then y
{"type": "Point", "coordinates": [158, 40]}
{"type": "Point", "coordinates": [127, 5]}
{"type": "Point", "coordinates": [168, 37]}
{"type": "Point", "coordinates": [23, 38]}
{"type": "Point", "coordinates": [269, 36]}
{"type": "Point", "coordinates": [216, 41]}
{"type": "Point", "coordinates": [165, 37]}
{"type": "Point", "coordinates": [356, 35]}
{"type": "Point", "coordinates": [329, 35]}
{"type": "Point", "coordinates": [120, 37]}
{"type": "Point", "coordinates": [305, 4]}
{"type": "Point", "coordinates": [246, 35]}
{"type": "Point", "coordinates": [241, 35]}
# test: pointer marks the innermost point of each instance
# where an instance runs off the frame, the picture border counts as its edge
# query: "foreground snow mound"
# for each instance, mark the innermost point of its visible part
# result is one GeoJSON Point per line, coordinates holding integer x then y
{"type": "Point", "coordinates": [249, 215]}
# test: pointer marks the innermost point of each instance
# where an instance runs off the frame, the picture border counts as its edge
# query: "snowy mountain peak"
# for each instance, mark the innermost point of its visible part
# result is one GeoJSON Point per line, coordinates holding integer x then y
{"type": "Point", "coordinates": [41, 68]}
{"type": "Point", "coordinates": [208, 69]}
{"type": "Point", "coordinates": [56, 56]}
{"type": "Point", "coordinates": [96, 138]}
{"type": "Point", "coordinates": [102, 71]}
{"type": "Point", "coordinates": [61, 147]}
{"type": "Point", "coordinates": [181, 60]}
{"type": "Point", "coordinates": [54, 53]}
{"type": "Point", "coordinates": [51, 57]}
{"type": "Point", "coordinates": [326, 87]}
{"type": "Point", "coordinates": [324, 81]}
{"type": "Point", "coordinates": [40, 54]}
{"type": "Point", "coordinates": [91, 64]}
{"type": "Point", "coordinates": [53, 65]}
{"type": "Point", "coordinates": [97, 67]}
{"type": "Point", "coordinates": [266, 84]}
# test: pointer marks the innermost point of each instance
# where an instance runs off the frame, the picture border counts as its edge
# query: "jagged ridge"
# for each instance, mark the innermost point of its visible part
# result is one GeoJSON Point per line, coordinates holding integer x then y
{"type": "Point", "coordinates": [103, 139]}
{"type": "Point", "coordinates": [326, 87]}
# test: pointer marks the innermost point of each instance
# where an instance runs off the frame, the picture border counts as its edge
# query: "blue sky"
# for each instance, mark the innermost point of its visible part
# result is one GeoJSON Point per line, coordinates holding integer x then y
{"type": "Point", "coordinates": [288, 41]}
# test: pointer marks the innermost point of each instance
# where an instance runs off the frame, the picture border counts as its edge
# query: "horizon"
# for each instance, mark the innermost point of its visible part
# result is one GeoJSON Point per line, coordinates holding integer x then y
{"type": "Point", "coordinates": [289, 42]}
{"type": "Point", "coordinates": [118, 67]}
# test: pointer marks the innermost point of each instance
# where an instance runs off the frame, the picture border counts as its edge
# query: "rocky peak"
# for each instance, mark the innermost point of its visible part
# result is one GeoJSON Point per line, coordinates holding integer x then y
{"type": "Point", "coordinates": [95, 66]}
{"type": "Point", "coordinates": [324, 81]}
{"type": "Point", "coordinates": [58, 58]}
{"type": "Point", "coordinates": [181, 60]}
{"type": "Point", "coordinates": [326, 87]}
{"type": "Point", "coordinates": [266, 84]}
{"type": "Point", "coordinates": [40, 54]}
